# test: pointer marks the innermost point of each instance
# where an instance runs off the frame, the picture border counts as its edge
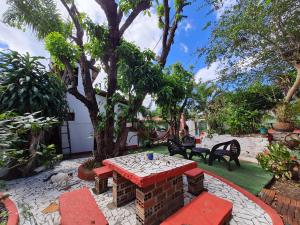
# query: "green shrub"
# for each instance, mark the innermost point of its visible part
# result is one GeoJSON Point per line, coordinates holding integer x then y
{"type": "Point", "coordinates": [20, 142]}
{"type": "Point", "coordinates": [26, 86]}
{"type": "Point", "coordinates": [242, 120]}
{"type": "Point", "coordinates": [47, 155]}
{"type": "Point", "coordinates": [277, 159]}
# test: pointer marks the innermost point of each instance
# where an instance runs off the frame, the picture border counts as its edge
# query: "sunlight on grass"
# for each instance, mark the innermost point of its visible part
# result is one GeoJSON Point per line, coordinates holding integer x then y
{"type": "Point", "coordinates": [249, 176]}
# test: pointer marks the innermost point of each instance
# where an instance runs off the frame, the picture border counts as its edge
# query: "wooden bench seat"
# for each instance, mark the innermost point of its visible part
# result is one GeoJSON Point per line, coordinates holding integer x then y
{"type": "Point", "coordinates": [206, 209]}
{"type": "Point", "coordinates": [79, 208]}
{"type": "Point", "coordinates": [101, 178]}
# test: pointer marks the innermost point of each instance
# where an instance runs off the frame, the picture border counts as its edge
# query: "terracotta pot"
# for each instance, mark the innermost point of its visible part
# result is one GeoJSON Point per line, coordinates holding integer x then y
{"type": "Point", "coordinates": [283, 127]}
{"type": "Point", "coordinates": [85, 174]}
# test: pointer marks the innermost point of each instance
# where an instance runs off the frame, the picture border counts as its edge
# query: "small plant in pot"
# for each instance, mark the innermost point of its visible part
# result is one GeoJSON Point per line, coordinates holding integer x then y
{"type": "Point", "coordinates": [285, 117]}
{"type": "Point", "coordinates": [85, 170]}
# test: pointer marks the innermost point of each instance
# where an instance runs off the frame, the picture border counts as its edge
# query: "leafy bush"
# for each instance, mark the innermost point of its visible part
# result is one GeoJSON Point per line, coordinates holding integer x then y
{"type": "Point", "coordinates": [241, 120]}
{"type": "Point", "coordinates": [277, 159]}
{"type": "Point", "coordinates": [47, 155]}
{"type": "Point", "coordinates": [284, 113]}
{"type": "Point", "coordinates": [241, 111]}
{"type": "Point", "coordinates": [26, 86]}
{"type": "Point", "coordinates": [20, 138]}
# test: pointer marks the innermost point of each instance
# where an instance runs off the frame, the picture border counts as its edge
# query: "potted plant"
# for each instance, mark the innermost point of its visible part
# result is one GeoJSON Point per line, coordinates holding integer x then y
{"type": "Point", "coordinates": [85, 170]}
{"type": "Point", "coordinates": [285, 117]}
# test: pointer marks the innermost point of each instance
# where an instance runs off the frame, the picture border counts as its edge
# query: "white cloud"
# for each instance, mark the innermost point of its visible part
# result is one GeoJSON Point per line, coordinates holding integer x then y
{"type": "Point", "coordinates": [226, 4]}
{"type": "Point", "coordinates": [188, 26]}
{"type": "Point", "coordinates": [184, 48]}
{"type": "Point", "coordinates": [18, 40]}
{"type": "Point", "coordinates": [144, 32]}
{"type": "Point", "coordinates": [22, 41]}
{"type": "Point", "coordinates": [208, 73]}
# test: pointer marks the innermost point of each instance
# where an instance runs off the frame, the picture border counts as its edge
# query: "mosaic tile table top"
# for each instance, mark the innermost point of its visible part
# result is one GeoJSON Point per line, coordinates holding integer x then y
{"type": "Point", "coordinates": [32, 195]}
{"type": "Point", "coordinates": [143, 172]}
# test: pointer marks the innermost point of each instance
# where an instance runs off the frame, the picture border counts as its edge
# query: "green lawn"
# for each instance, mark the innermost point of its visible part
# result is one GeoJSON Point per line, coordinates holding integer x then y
{"type": "Point", "coordinates": [249, 176]}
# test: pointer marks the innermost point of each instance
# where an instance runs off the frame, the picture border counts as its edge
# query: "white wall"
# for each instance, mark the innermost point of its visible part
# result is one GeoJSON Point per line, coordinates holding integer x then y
{"type": "Point", "coordinates": [81, 129]}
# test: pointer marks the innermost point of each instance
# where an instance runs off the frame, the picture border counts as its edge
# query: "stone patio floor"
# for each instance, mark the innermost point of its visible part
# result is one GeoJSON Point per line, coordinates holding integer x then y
{"type": "Point", "coordinates": [32, 195]}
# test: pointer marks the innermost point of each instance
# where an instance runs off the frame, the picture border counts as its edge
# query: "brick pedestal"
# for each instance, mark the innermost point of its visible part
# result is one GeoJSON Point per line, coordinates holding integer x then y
{"type": "Point", "coordinates": [123, 190]}
{"type": "Point", "coordinates": [158, 201]}
{"type": "Point", "coordinates": [195, 184]}
{"type": "Point", "coordinates": [100, 185]}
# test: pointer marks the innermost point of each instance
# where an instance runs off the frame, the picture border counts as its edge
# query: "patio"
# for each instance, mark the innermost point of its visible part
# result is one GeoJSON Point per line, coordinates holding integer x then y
{"type": "Point", "coordinates": [32, 195]}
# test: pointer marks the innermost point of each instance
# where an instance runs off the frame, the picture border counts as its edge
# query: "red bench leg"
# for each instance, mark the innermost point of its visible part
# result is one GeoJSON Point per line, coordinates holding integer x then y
{"type": "Point", "coordinates": [157, 202]}
{"type": "Point", "coordinates": [195, 184]}
{"type": "Point", "coordinates": [123, 190]}
{"type": "Point", "coordinates": [100, 185]}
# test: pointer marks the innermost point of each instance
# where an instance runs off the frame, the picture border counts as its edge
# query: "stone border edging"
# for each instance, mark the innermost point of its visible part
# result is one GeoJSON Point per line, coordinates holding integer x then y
{"type": "Point", "coordinates": [13, 215]}
{"type": "Point", "coordinates": [276, 219]}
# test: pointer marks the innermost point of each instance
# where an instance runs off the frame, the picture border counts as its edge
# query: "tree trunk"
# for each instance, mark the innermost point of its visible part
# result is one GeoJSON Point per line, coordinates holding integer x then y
{"type": "Point", "coordinates": [34, 144]}
{"type": "Point", "coordinates": [121, 142]}
{"type": "Point", "coordinates": [110, 105]}
{"type": "Point", "coordinates": [292, 91]}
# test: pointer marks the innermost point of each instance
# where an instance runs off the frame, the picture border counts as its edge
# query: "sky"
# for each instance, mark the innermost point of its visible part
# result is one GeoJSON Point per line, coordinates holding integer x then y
{"type": "Point", "coordinates": [144, 32]}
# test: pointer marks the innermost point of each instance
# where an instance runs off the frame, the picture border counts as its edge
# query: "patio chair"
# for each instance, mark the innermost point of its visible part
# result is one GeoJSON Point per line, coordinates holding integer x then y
{"type": "Point", "coordinates": [176, 148]}
{"type": "Point", "coordinates": [231, 149]}
{"type": "Point", "coordinates": [188, 142]}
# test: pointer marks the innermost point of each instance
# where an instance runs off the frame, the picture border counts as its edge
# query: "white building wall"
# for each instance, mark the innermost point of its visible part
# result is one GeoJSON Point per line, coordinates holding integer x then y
{"type": "Point", "coordinates": [81, 129]}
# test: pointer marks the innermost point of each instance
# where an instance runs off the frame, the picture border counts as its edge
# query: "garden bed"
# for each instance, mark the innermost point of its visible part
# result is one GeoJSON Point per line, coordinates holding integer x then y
{"type": "Point", "coordinates": [3, 214]}
{"type": "Point", "coordinates": [289, 188]}
{"type": "Point", "coordinates": [284, 197]}
{"type": "Point", "coordinates": [8, 211]}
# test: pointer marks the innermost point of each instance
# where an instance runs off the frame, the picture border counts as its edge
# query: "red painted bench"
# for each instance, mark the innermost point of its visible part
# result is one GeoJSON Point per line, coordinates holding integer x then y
{"type": "Point", "coordinates": [206, 209]}
{"type": "Point", "coordinates": [79, 208]}
{"type": "Point", "coordinates": [195, 179]}
{"type": "Point", "coordinates": [101, 177]}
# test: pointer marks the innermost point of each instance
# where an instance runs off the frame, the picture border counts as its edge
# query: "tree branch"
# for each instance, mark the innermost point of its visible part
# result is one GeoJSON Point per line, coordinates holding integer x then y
{"type": "Point", "coordinates": [74, 91]}
{"type": "Point", "coordinates": [110, 8]}
{"type": "Point", "coordinates": [143, 5]}
{"type": "Point", "coordinates": [169, 32]}
{"type": "Point", "coordinates": [166, 23]}
{"type": "Point", "coordinates": [74, 14]}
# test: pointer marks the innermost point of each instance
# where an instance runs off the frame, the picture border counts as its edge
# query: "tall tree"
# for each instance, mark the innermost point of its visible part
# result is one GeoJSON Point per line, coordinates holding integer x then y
{"type": "Point", "coordinates": [67, 46]}
{"type": "Point", "coordinates": [260, 39]}
{"type": "Point", "coordinates": [174, 96]}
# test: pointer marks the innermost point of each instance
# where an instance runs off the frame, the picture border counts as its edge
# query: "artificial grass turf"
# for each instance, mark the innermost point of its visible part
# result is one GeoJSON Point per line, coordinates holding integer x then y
{"type": "Point", "coordinates": [249, 176]}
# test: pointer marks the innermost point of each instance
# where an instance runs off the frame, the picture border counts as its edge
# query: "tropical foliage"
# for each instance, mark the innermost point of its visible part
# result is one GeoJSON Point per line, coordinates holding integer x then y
{"type": "Point", "coordinates": [17, 151]}
{"type": "Point", "coordinates": [175, 94]}
{"type": "Point", "coordinates": [238, 111]}
{"type": "Point", "coordinates": [278, 160]}
{"type": "Point", "coordinates": [26, 86]}
{"type": "Point", "coordinates": [81, 41]}
{"type": "Point", "coordinates": [258, 40]}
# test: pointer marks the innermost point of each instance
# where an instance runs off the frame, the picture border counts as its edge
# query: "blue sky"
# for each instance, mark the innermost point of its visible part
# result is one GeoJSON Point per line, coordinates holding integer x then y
{"type": "Point", "coordinates": [191, 36]}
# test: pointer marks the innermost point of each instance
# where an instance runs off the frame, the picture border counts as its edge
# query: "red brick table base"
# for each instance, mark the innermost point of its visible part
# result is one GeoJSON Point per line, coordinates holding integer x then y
{"type": "Point", "coordinates": [195, 178]}
{"type": "Point", "coordinates": [101, 179]}
{"type": "Point", "coordinates": [123, 190]}
{"type": "Point", "coordinates": [158, 201]}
